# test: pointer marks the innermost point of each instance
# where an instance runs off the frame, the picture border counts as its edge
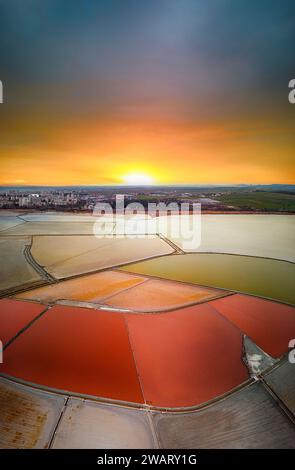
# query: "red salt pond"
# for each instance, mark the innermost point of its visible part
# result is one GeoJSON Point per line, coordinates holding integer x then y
{"type": "Point", "coordinates": [182, 358]}
{"type": "Point", "coordinates": [79, 350]}
{"type": "Point", "coordinates": [186, 357]}
{"type": "Point", "coordinates": [15, 315]}
{"type": "Point", "coordinates": [269, 324]}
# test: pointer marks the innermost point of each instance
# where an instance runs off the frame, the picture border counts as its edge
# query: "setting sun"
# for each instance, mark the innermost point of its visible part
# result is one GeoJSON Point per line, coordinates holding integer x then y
{"type": "Point", "coordinates": [138, 179]}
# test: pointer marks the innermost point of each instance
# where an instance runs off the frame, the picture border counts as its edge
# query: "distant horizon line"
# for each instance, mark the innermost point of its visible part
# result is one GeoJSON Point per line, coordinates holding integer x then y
{"type": "Point", "coordinates": [187, 185]}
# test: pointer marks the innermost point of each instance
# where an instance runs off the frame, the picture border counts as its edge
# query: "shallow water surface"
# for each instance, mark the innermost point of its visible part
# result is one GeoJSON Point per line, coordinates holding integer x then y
{"type": "Point", "coordinates": [258, 276]}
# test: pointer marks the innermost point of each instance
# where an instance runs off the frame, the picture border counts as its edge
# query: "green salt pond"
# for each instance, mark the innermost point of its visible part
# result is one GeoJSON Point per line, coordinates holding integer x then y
{"type": "Point", "coordinates": [257, 276]}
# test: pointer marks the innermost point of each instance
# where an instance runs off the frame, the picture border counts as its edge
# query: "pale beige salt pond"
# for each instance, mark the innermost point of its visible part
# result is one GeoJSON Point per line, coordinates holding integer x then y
{"type": "Point", "coordinates": [68, 256]}
{"type": "Point", "coordinates": [14, 269]}
{"type": "Point", "coordinates": [270, 236]}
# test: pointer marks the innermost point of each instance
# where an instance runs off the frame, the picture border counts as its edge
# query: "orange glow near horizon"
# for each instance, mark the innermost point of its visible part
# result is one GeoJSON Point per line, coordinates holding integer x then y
{"type": "Point", "coordinates": [148, 152]}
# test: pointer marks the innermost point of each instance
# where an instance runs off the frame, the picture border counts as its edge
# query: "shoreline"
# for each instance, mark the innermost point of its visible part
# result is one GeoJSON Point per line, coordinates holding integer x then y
{"type": "Point", "coordinates": [15, 212]}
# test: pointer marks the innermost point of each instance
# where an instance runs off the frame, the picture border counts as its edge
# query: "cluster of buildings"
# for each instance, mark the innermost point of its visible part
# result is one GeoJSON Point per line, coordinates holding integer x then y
{"type": "Point", "coordinates": [57, 199]}
{"type": "Point", "coordinates": [85, 199]}
{"type": "Point", "coordinates": [47, 199]}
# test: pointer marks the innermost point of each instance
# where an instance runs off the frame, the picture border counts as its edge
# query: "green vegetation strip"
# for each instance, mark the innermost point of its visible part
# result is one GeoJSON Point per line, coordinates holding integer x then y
{"type": "Point", "coordinates": [260, 200]}
{"type": "Point", "coordinates": [257, 276]}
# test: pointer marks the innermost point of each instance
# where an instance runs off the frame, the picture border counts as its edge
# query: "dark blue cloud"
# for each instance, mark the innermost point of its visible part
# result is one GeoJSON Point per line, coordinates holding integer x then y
{"type": "Point", "coordinates": [188, 55]}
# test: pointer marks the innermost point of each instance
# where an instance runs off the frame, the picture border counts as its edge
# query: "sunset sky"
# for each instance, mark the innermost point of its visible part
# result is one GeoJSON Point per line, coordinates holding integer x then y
{"type": "Point", "coordinates": [166, 91]}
